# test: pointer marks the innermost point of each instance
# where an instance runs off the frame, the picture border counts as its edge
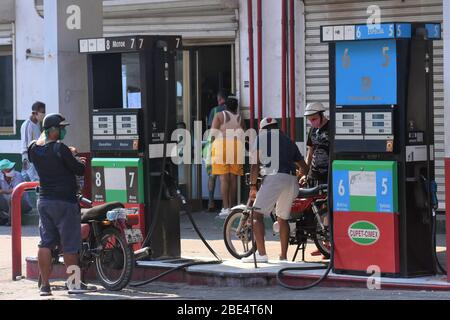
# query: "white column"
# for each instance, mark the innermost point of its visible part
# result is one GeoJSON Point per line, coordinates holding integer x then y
{"type": "Point", "coordinates": [66, 89]}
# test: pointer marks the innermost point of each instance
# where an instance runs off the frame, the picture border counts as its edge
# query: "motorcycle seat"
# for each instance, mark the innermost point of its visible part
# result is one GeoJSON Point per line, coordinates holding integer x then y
{"type": "Point", "coordinates": [98, 213]}
{"type": "Point", "coordinates": [312, 192]}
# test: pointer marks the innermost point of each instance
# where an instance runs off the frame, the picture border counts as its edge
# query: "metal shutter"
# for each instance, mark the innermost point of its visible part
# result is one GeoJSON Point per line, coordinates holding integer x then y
{"type": "Point", "coordinates": [328, 12]}
{"type": "Point", "coordinates": [197, 21]}
{"type": "Point", "coordinates": [6, 32]}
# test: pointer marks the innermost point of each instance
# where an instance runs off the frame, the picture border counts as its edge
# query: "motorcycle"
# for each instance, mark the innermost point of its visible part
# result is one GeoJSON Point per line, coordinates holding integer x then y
{"type": "Point", "coordinates": [307, 222]}
{"type": "Point", "coordinates": [107, 235]}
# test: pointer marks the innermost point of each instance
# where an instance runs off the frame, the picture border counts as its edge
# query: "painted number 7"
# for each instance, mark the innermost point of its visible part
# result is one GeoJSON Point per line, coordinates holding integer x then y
{"type": "Point", "coordinates": [132, 174]}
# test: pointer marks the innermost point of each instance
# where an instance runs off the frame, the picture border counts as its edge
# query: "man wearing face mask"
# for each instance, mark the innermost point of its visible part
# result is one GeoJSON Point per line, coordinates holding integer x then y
{"type": "Point", "coordinates": [318, 143]}
{"type": "Point", "coordinates": [59, 211]}
{"type": "Point", "coordinates": [31, 131]}
{"type": "Point", "coordinates": [9, 179]}
{"type": "Point", "coordinates": [317, 157]}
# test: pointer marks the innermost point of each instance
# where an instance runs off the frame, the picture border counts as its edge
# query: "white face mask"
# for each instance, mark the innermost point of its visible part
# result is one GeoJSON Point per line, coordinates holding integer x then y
{"type": "Point", "coordinates": [10, 174]}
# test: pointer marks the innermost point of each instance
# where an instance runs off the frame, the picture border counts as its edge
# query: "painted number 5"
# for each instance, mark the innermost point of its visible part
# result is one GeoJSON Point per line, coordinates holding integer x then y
{"type": "Point", "coordinates": [384, 186]}
{"type": "Point", "coordinates": [341, 188]}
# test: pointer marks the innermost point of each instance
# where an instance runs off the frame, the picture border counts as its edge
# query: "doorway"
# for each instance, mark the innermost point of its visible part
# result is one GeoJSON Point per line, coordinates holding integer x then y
{"type": "Point", "coordinates": [209, 69]}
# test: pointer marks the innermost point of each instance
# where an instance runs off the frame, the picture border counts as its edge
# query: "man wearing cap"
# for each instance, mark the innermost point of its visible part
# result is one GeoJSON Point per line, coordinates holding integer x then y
{"type": "Point", "coordinates": [318, 144]}
{"type": "Point", "coordinates": [29, 132]}
{"type": "Point", "coordinates": [59, 211]}
{"type": "Point", "coordinates": [279, 157]}
{"type": "Point", "coordinates": [9, 179]}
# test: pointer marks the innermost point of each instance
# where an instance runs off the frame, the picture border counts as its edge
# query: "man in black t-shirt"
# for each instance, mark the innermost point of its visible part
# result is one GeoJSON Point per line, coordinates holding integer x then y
{"type": "Point", "coordinates": [318, 142]}
{"type": "Point", "coordinates": [59, 211]}
{"type": "Point", "coordinates": [317, 157]}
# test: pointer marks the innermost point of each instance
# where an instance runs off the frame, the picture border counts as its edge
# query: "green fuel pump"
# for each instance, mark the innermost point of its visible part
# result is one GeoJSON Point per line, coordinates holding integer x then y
{"type": "Point", "coordinates": [132, 106]}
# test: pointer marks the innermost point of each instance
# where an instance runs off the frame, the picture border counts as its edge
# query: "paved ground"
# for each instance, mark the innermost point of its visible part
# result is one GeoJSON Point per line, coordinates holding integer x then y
{"type": "Point", "coordinates": [192, 247]}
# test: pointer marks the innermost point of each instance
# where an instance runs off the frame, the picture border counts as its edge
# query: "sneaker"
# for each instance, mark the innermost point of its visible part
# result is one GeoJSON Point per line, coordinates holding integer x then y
{"type": "Point", "coordinates": [224, 213]}
{"type": "Point", "coordinates": [45, 291]}
{"type": "Point", "coordinates": [259, 259]}
{"type": "Point", "coordinates": [84, 288]}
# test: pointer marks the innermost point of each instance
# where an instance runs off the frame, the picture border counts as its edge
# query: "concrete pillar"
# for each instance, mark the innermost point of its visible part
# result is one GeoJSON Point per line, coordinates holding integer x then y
{"type": "Point", "coordinates": [447, 119]}
{"type": "Point", "coordinates": [66, 89]}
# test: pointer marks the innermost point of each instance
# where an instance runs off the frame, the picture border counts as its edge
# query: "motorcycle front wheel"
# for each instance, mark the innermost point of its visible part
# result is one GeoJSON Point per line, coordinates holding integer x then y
{"type": "Point", "coordinates": [115, 262]}
{"type": "Point", "coordinates": [239, 244]}
{"type": "Point", "coordinates": [322, 237]}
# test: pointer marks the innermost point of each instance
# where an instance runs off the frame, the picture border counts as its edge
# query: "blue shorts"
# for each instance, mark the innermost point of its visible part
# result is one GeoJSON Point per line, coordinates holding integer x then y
{"type": "Point", "coordinates": [60, 224]}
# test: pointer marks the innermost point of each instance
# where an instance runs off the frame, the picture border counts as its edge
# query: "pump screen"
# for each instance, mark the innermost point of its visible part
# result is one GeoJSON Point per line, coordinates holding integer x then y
{"type": "Point", "coordinates": [366, 73]}
{"type": "Point", "coordinates": [348, 116]}
{"type": "Point", "coordinates": [378, 117]}
{"type": "Point", "coordinates": [348, 124]}
{"type": "Point", "coordinates": [378, 124]}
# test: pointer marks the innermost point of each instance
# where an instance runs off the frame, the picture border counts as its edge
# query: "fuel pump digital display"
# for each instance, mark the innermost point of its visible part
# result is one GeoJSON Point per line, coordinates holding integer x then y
{"type": "Point", "coordinates": [115, 130]}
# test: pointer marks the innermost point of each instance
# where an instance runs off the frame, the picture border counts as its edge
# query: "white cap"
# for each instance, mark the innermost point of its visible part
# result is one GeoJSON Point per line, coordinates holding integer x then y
{"type": "Point", "coordinates": [267, 122]}
{"type": "Point", "coordinates": [313, 108]}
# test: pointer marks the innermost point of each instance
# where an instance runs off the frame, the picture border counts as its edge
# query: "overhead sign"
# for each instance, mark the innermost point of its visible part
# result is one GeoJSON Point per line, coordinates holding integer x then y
{"type": "Point", "coordinates": [376, 32]}
{"type": "Point", "coordinates": [115, 44]}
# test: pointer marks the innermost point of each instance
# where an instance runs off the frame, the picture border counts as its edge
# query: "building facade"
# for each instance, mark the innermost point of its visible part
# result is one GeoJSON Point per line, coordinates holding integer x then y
{"type": "Point", "coordinates": [215, 55]}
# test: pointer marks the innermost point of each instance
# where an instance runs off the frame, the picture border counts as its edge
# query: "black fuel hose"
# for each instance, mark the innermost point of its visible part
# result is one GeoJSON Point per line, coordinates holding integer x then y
{"type": "Point", "coordinates": [163, 45]}
{"type": "Point", "coordinates": [179, 195]}
{"type": "Point", "coordinates": [190, 264]}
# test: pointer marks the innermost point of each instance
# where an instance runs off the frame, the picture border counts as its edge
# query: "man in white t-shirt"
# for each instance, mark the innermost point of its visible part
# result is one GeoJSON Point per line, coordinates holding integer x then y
{"type": "Point", "coordinates": [31, 131]}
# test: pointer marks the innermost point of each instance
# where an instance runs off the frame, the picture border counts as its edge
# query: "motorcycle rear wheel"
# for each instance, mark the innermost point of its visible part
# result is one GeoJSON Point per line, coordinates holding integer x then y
{"type": "Point", "coordinates": [115, 257]}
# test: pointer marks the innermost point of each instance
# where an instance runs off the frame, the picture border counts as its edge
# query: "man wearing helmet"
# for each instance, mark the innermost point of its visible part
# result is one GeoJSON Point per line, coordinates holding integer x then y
{"type": "Point", "coordinates": [317, 156]}
{"type": "Point", "coordinates": [59, 211]}
{"type": "Point", "coordinates": [279, 158]}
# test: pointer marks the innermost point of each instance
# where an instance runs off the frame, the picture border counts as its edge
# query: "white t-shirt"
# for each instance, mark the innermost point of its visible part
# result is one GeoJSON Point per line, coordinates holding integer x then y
{"type": "Point", "coordinates": [29, 132]}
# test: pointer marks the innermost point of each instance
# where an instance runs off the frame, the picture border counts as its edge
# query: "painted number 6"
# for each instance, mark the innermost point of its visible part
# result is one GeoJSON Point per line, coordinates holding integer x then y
{"type": "Point", "coordinates": [341, 188]}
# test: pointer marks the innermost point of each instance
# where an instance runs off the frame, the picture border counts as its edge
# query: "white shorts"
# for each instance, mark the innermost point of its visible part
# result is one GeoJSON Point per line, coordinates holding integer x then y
{"type": "Point", "coordinates": [278, 190]}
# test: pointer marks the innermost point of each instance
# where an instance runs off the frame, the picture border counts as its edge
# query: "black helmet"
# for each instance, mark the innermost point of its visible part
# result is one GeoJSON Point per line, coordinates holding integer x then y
{"type": "Point", "coordinates": [54, 120]}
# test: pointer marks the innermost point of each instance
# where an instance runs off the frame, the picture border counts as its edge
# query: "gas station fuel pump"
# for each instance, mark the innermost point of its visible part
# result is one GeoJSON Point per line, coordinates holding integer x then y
{"type": "Point", "coordinates": [382, 151]}
{"type": "Point", "coordinates": [132, 91]}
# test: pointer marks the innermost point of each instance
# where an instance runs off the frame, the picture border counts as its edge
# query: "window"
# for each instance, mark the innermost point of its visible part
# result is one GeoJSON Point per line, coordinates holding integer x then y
{"type": "Point", "coordinates": [6, 91]}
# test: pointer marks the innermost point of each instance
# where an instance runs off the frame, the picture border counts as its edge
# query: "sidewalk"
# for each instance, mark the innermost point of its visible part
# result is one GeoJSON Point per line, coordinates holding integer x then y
{"type": "Point", "coordinates": [211, 227]}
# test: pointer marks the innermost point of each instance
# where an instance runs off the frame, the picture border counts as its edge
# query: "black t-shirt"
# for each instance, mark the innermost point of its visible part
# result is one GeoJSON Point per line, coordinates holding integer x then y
{"type": "Point", "coordinates": [318, 140]}
{"type": "Point", "coordinates": [57, 169]}
{"type": "Point", "coordinates": [288, 153]}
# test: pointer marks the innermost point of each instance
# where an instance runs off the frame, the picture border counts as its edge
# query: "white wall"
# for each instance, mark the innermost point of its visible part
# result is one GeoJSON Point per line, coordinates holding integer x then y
{"type": "Point", "coordinates": [271, 12]}
{"type": "Point", "coordinates": [30, 78]}
{"type": "Point", "coordinates": [447, 77]}
{"type": "Point", "coordinates": [30, 75]}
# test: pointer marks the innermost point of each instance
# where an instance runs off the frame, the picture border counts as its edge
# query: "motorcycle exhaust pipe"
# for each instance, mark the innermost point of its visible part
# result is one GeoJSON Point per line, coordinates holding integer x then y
{"type": "Point", "coordinates": [142, 253]}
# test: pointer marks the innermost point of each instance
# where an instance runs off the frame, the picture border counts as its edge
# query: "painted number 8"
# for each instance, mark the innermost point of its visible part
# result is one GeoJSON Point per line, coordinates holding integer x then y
{"type": "Point", "coordinates": [341, 188]}
{"type": "Point", "coordinates": [98, 179]}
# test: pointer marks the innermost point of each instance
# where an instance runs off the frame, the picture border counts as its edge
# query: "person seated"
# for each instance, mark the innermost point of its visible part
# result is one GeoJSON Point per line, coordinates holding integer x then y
{"type": "Point", "coordinates": [9, 179]}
